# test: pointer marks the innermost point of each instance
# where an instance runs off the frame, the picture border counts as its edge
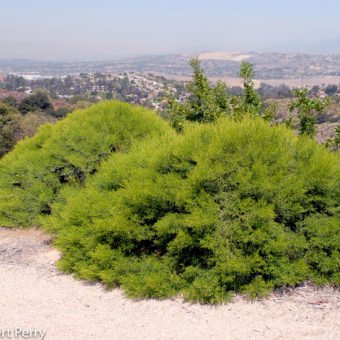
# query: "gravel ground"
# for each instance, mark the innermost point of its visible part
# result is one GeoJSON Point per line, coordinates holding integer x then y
{"type": "Point", "coordinates": [35, 296]}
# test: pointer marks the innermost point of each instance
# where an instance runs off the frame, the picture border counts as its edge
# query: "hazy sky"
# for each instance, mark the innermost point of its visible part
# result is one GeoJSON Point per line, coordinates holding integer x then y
{"type": "Point", "coordinates": [98, 29]}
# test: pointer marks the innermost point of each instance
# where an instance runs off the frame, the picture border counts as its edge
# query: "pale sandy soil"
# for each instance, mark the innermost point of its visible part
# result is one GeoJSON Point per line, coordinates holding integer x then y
{"type": "Point", "coordinates": [234, 56]}
{"type": "Point", "coordinates": [34, 295]}
{"type": "Point", "coordinates": [234, 81]}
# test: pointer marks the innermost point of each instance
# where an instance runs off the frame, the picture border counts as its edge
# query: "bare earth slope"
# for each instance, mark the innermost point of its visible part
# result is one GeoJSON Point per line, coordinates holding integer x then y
{"type": "Point", "coordinates": [34, 295]}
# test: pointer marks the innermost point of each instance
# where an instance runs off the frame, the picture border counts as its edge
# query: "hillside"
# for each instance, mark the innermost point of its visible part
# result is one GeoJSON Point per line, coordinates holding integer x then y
{"type": "Point", "coordinates": [270, 66]}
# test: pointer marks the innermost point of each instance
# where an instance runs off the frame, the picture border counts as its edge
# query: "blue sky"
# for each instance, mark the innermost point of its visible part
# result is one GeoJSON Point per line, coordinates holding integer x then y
{"type": "Point", "coordinates": [102, 29]}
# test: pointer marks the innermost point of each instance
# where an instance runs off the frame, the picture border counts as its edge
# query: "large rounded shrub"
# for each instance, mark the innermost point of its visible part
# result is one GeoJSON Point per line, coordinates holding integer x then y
{"type": "Point", "coordinates": [229, 207]}
{"type": "Point", "coordinates": [67, 153]}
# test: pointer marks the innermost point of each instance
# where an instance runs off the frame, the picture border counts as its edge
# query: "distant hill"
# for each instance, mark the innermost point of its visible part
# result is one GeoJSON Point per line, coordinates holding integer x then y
{"type": "Point", "coordinates": [218, 64]}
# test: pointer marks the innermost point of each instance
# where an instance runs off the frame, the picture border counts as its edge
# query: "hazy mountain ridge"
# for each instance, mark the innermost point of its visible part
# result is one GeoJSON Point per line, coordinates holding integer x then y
{"type": "Point", "coordinates": [216, 64]}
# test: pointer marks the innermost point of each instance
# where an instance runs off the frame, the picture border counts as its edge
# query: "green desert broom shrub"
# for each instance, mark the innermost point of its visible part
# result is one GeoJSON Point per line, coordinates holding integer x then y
{"type": "Point", "coordinates": [67, 153]}
{"type": "Point", "coordinates": [222, 208]}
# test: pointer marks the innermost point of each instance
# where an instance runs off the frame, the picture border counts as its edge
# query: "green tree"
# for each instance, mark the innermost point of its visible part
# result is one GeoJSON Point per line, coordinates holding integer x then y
{"type": "Point", "coordinates": [109, 95]}
{"type": "Point", "coordinates": [14, 82]}
{"type": "Point", "coordinates": [331, 90]}
{"type": "Point", "coordinates": [250, 104]}
{"type": "Point", "coordinates": [9, 127]}
{"type": "Point", "coordinates": [205, 104]}
{"type": "Point", "coordinates": [306, 109]}
{"type": "Point", "coordinates": [38, 101]}
{"type": "Point", "coordinates": [251, 99]}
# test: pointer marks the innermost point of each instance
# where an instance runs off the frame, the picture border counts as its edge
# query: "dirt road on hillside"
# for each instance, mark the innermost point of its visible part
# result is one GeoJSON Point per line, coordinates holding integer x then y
{"type": "Point", "coordinates": [35, 296]}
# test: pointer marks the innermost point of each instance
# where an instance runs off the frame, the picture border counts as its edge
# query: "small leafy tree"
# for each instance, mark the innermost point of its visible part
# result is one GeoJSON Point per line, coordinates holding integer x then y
{"type": "Point", "coordinates": [306, 109]}
{"type": "Point", "coordinates": [251, 99]}
{"type": "Point", "coordinates": [38, 101]}
{"type": "Point", "coordinates": [250, 103]}
{"type": "Point", "coordinates": [205, 104]}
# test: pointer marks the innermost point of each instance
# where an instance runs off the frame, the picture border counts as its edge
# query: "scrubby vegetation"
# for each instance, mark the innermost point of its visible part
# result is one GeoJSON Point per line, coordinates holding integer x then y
{"type": "Point", "coordinates": [38, 101]}
{"type": "Point", "coordinates": [18, 120]}
{"type": "Point", "coordinates": [67, 153]}
{"type": "Point", "coordinates": [230, 204]}
{"type": "Point", "coordinates": [206, 102]}
{"type": "Point", "coordinates": [225, 207]}
{"type": "Point", "coordinates": [9, 127]}
{"type": "Point", "coordinates": [307, 108]}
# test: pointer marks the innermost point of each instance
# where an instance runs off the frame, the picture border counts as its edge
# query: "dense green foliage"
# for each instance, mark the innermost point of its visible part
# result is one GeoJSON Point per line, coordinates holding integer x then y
{"type": "Point", "coordinates": [67, 153]}
{"type": "Point", "coordinates": [21, 119]}
{"type": "Point", "coordinates": [229, 205]}
{"type": "Point", "coordinates": [38, 101]}
{"type": "Point", "coordinates": [206, 103]}
{"type": "Point", "coordinates": [251, 99]}
{"type": "Point", "coordinates": [307, 108]}
{"type": "Point", "coordinates": [9, 127]}
{"type": "Point", "coordinates": [235, 206]}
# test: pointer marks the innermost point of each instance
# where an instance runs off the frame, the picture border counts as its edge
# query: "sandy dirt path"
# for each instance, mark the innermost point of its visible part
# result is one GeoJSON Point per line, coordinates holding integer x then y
{"type": "Point", "coordinates": [35, 296]}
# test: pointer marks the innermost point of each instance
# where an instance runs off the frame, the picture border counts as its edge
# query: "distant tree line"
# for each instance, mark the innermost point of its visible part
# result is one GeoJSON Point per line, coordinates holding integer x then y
{"type": "Point", "coordinates": [20, 119]}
